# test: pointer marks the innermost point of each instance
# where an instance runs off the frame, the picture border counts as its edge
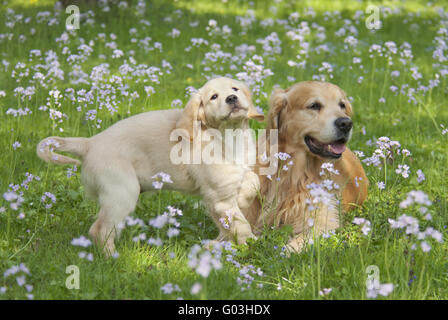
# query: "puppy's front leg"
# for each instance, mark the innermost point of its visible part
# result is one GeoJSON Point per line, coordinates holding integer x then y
{"type": "Point", "coordinates": [232, 224]}
{"type": "Point", "coordinates": [249, 190]}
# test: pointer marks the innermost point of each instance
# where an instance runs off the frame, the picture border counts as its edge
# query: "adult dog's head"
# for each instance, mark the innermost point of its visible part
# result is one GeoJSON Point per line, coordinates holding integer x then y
{"type": "Point", "coordinates": [314, 116]}
{"type": "Point", "coordinates": [220, 103]}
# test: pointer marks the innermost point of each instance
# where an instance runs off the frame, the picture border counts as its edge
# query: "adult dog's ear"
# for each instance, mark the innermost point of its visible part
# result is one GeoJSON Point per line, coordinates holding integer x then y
{"type": "Point", "coordinates": [348, 105]}
{"type": "Point", "coordinates": [349, 109]}
{"type": "Point", "coordinates": [193, 112]}
{"type": "Point", "coordinates": [252, 112]}
{"type": "Point", "coordinates": [278, 102]}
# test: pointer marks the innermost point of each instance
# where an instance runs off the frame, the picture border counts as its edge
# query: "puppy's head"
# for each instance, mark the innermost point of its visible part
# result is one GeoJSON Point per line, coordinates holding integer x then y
{"type": "Point", "coordinates": [312, 115]}
{"type": "Point", "coordinates": [219, 103]}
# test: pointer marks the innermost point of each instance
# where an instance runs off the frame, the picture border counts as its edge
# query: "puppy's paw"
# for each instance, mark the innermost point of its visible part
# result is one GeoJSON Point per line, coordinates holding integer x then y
{"type": "Point", "coordinates": [242, 232]}
{"type": "Point", "coordinates": [109, 249]}
{"type": "Point", "coordinates": [243, 237]}
{"type": "Point", "coordinates": [249, 190]}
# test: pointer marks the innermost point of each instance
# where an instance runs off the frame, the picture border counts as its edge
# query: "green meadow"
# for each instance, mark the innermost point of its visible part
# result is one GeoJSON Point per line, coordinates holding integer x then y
{"type": "Point", "coordinates": [128, 57]}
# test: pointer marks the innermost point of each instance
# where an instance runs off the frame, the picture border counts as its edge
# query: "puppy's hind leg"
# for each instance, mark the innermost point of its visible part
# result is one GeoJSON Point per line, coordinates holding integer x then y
{"type": "Point", "coordinates": [117, 200]}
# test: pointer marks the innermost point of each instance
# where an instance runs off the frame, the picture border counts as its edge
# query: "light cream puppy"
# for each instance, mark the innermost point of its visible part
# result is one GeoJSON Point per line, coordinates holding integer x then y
{"type": "Point", "coordinates": [119, 163]}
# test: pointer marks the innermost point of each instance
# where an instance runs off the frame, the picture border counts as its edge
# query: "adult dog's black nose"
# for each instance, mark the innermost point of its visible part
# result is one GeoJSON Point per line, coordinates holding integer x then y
{"type": "Point", "coordinates": [344, 124]}
{"type": "Point", "coordinates": [232, 99]}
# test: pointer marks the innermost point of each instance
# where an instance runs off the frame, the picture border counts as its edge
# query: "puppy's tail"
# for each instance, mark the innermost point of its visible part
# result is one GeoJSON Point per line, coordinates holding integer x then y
{"type": "Point", "coordinates": [77, 146]}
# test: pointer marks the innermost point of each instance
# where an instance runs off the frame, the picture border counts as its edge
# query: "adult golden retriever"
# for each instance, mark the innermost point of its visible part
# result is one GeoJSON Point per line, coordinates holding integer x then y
{"type": "Point", "coordinates": [314, 126]}
{"type": "Point", "coordinates": [120, 162]}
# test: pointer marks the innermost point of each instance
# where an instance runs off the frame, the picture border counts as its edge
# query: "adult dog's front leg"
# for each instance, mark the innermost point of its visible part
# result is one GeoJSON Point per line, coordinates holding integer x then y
{"type": "Point", "coordinates": [324, 220]}
{"type": "Point", "coordinates": [297, 243]}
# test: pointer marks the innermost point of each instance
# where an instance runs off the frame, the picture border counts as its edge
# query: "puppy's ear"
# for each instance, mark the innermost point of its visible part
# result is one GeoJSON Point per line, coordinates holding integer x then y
{"type": "Point", "coordinates": [252, 112]}
{"type": "Point", "coordinates": [277, 103]}
{"type": "Point", "coordinates": [193, 112]}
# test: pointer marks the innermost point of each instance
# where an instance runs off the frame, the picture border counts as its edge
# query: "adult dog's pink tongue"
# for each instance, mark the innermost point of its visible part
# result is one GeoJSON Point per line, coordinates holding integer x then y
{"type": "Point", "coordinates": [337, 148]}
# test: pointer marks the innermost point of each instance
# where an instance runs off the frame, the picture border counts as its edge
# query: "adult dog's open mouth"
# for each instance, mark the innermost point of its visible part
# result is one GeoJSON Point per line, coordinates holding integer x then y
{"type": "Point", "coordinates": [332, 150]}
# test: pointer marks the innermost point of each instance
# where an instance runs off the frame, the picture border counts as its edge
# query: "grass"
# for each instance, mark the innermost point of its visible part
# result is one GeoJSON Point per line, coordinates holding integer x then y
{"type": "Point", "coordinates": [42, 238]}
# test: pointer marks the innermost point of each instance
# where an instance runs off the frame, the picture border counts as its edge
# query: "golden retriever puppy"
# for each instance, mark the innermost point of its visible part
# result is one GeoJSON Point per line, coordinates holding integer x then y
{"type": "Point", "coordinates": [120, 162]}
{"type": "Point", "coordinates": [314, 126]}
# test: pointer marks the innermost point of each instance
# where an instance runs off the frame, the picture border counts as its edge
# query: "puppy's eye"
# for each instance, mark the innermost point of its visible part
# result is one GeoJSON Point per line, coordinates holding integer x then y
{"type": "Point", "coordinates": [214, 97]}
{"type": "Point", "coordinates": [235, 89]}
{"type": "Point", "coordinates": [315, 106]}
{"type": "Point", "coordinates": [342, 105]}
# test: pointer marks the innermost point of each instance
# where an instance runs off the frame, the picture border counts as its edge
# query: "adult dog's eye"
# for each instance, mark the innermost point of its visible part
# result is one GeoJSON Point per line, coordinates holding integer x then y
{"type": "Point", "coordinates": [214, 97]}
{"type": "Point", "coordinates": [315, 106]}
{"type": "Point", "coordinates": [342, 105]}
{"type": "Point", "coordinates": [235, 89]}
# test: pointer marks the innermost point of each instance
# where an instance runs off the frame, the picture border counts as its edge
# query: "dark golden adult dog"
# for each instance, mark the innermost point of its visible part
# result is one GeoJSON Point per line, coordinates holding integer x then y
{"type": "Point", "coordinates": [314, 125]}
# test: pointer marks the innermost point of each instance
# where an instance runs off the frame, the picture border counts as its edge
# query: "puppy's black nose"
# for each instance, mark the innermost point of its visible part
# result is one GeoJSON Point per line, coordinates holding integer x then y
{"type": "Point", "coordinates": [231, 99]}
{"type": "Point", "coordinates": [344, 124]}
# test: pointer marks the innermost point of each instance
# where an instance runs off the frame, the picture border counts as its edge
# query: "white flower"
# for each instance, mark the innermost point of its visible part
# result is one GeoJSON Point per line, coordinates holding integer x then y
{"type": "Point", "coordinates": [16, 145]}
{"type": "Point", "coordinates": [325, 291]}
{"type": "Point", "coordinates": [140, 237]}
{"type": "Point", "coordinates": [21, 280]}
{"type": "Point", "coordinates": [82, 241]}
{"type": "Point", "coordinates": [375, 288]}
{"type": "Point", "coordinates": [365, 225]}
{"type": "Point", "coordinates": [403, 170]}
{"type": "Point", "coordinates": [159, 221]}
{"type": "Point", "coordinates": [204, 261]}
{"type": "Point", "coordinates": [227, 220]}
{"type": "Point", "coordinates": [420, 176]}
{"type": "Point", "coordinates": [328, 166]}
{"type": "Point", "coordinates": [170, 288]}
{"type": "Point", "coordinates": [117, 54]}
{"type": "Point", "coordinates": [10, 196]}
{"type": "Point", "coordinates": [161, 178]}
{"type": "Point", "coordinates": [195, 288]}
{"type": "Point", "coordinates": [386, 289]}
{"type": "Point", "coordinates": [310, 222]}
{"type": "Point", "coordinates": [155, 241]}
{"type": "Point", "coordinates": [425, 246]}
{"type": "Point", "coordinates": [415, 196]}
{"type": "Point", "coordinates": [172, 232]}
